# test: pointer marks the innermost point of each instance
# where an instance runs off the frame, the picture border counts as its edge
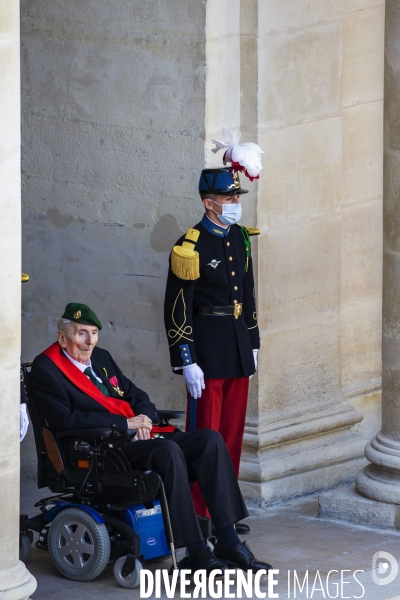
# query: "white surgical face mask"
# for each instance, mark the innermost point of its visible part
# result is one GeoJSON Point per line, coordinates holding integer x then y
{"type": "Point", "coordinates": [231, 213]}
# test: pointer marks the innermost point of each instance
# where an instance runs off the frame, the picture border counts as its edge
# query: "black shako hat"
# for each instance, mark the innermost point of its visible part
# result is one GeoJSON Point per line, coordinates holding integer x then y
{"type": "Point", "coordinates": [223, 182]}
{"type": "Point", "coordinates": [81, 313]}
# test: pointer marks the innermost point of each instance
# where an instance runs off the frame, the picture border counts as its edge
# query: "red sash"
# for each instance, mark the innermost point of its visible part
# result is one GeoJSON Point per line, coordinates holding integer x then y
{"type": "Point", "coordinates": [113, 405]}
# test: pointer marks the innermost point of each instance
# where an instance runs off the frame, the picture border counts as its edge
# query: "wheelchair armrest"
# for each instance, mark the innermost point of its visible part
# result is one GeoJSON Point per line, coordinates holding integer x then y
{"type": "Point", "coordinates": [108, 438]}
{"type": "Point", "coordinates": [166, 415]}
{"type": "Point", "coordinates": [93, 433]}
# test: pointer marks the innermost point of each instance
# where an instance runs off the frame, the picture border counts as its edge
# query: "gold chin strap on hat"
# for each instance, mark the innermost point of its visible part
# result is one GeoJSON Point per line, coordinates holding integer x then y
{"type": "Point", "coordinates": [185, 261]}
{"type": "Point", "coordinates": [24, 277]}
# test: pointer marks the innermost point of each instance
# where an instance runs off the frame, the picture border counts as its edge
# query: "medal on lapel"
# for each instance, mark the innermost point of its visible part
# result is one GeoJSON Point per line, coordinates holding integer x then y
{"type": "Point", "coordinates": [114, 382]}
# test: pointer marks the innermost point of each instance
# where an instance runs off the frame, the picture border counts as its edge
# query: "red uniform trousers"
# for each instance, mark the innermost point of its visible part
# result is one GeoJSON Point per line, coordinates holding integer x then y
{"type": "Point", "coordinates": [222, 407]}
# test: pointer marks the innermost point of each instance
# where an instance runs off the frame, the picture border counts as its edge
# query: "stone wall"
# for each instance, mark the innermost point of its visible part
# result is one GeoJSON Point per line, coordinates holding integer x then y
{"type": "Point", "coordinates": [391, 270]}
{"type": "Point", "coordinates": [10, 284]}
{"type": "Point", "coordinates": [15, 581]}
{"type": "Point", "coordinates": [319, 208]}
{"type": "Point", "coordinates": [380, 480]}
{"type": "Point", "coordinates": [113, 104]}
{"type": "Point", "coordinates": [120, 103]}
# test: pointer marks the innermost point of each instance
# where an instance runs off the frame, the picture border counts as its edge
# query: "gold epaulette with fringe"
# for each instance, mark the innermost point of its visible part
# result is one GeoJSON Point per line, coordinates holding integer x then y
{"type": "Point", "coordinates": [185, 261]}
{"type": "Point", "coordinates": [253, 230]}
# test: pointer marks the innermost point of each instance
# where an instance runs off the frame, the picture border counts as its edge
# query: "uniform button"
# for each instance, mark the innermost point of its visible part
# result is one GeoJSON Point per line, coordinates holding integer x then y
{"type": "Point", "coordinates": [236, 288]}
{"type": "Point", "coordinates": [184, 349]}
{"type": "Point", "coordinates": [186, 361]}
{"type": "Point", "coordinates": [233, 273]}
{"type": "Point", "coordinates": [228, 243]}
{"type": "Point", "coordinates": [235, 302]}
{"type": "Point", "coordinates": [185, 354]}
{"type": "Point", "coordinates": [230, 258]}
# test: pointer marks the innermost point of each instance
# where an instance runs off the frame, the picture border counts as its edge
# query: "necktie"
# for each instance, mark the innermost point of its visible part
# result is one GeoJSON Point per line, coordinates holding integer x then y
{"type": "Point", "coordinates": [88, 371]}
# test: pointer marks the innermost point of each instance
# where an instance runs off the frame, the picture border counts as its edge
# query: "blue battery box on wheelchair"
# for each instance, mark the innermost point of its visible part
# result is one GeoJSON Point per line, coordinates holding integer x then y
{"type": "Point", "coordinates": [149, 525]}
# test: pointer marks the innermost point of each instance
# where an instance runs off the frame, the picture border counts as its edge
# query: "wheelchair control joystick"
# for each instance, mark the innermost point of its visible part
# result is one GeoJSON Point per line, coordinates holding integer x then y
{"type": "Point", "coordinates": [113, 431]}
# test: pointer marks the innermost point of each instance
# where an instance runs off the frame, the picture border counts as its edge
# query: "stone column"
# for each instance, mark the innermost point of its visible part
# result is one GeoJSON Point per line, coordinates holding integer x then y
{"type": "Point", "coordinates": [16, 583]}
{"type": "Point", "coordinates": [305, 83]}
{"type": "Point", "coordinates": [311, 83]}
{"type": "Point", "coordinates": [381, 479]}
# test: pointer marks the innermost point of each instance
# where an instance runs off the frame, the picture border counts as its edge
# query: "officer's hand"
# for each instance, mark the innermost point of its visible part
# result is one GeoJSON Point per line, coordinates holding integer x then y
{"type": "Point", "coordinates": [255, 354]}
{"type": "Point", "coordinates": [23, 421]}
{"type": "Point", "coordinates": [194, 378]}
{"type": "Point", "coordinates": [140, 422]}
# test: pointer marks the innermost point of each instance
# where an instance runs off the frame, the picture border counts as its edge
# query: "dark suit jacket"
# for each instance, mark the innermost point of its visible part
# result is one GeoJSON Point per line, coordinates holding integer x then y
{"type": "Point", "coordinates": [63, 406]}
{"type": "Point", "coordinates": [222, 346]}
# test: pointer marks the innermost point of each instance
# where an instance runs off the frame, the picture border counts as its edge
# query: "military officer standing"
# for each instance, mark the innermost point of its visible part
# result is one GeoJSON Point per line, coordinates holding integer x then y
{"type": "Point", "coordinates": [210, 313]}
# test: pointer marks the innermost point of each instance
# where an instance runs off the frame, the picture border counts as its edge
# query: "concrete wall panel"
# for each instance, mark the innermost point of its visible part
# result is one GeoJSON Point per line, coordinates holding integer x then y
{"type": "Point", "coordinates": [223, 86]}
{"type": "Point", "coordinates": [361, 251]}
{"type": "Point", "coordinates": [15, 580]}
{"type": "Point", "coordinates": [392, 189]}
{"type": "Point", "coordinates": [361, 356]}
{"type": "Point", "coordinates": [295, 14]}
{"type": "Point", "coordinates": [94, 76]}
{"type": "Point", "coordinates": [363, 32]}
{"type": "Point", "coordinates": [354, 5]}
{"type": "Point", "coordinates": [301, 369]}
{"type": "Point", "coordinates": [113, 136]}
{"type": "Point", "coordinates": [299, 274]}
{"type": "Point", "coordinates": [311, 153]}
{"type": "Point", "coordinates": [300, 74]}
{"type": "Point", "coordinates": [108, 174]}
{"type": "Point", "coordinates": [320, 250]}
{"type": "Point", "coordinates": [362, 152]}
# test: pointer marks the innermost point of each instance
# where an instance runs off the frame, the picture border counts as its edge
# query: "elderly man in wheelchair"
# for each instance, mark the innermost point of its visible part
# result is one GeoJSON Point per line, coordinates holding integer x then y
{"type": "Point", "coordinates": [123, 472]}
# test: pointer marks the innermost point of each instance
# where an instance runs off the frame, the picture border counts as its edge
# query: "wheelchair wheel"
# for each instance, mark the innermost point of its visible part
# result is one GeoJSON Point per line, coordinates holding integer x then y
{"type": "Point", "coordinates": [25, 548]}
{"type": "Point", "coordinates": [133, 579]}
{"type": "Point", "coordinates": [79, 547]}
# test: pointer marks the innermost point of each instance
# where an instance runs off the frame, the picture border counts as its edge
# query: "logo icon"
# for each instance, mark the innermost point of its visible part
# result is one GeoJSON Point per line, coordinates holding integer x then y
{"type": "Point", "coordinates": [381, 561]}
{"type": "Point", "coordinates": [214, 263]}
{"type": "Point", "coordinates": [151, 541]}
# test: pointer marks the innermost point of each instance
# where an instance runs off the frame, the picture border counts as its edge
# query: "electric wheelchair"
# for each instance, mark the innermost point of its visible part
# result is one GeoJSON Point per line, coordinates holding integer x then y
{"type": "Point", "coordinates": [104, 512]}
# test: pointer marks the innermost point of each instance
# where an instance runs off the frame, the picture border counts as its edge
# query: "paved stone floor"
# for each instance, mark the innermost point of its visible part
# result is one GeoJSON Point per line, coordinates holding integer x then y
{"type": "Point", "coordinates": [289, 536]}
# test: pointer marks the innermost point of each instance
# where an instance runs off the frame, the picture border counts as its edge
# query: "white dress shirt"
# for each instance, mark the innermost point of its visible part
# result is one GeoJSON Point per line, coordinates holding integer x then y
{"type": "Point", "coordinates": [83, 366]}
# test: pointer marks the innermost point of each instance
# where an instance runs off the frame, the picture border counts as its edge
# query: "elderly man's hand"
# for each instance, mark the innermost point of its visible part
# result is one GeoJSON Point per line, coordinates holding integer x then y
{"type": "Point", "coordinates": [142, 433]}
{"type": "Point", "coordinates": [143, 426]}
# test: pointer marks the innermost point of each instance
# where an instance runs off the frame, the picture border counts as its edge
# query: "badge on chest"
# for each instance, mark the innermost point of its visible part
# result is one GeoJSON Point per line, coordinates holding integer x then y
{"type": "Point", "coordinates": [214, 263]}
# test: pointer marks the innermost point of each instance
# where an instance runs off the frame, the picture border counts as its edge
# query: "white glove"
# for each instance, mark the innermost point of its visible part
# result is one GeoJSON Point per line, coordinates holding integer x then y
{"type": "Point", "coordinates": [23, 422]}
{"type": "Point", "coordinates": [194, 378]}
{"type": "Point", "coordinates": [255, 355]}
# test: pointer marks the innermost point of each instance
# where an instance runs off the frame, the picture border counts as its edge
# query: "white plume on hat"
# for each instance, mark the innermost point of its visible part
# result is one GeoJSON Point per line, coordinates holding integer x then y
{"type": "Point", "coordinates": [244, 157]}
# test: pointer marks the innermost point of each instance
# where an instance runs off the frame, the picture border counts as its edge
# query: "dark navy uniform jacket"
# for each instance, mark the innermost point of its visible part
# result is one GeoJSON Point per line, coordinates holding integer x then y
{"type": "Point", "coordinates": [221, 345]}
{"type": "Point", "coordinates": [64, 406]}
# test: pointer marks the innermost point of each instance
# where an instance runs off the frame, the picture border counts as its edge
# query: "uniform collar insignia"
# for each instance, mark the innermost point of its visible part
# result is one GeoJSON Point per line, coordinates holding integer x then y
{"type": "Point", "coordinates": [211, 227]}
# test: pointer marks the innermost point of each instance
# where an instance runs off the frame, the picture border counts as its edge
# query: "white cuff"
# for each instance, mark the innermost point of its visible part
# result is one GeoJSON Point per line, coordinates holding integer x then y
{"type": "Point", "coordinates": [183, 367]}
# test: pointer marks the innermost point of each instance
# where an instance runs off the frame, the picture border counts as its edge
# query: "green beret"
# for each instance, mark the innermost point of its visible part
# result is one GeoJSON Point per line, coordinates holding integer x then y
{"type": "Point", "coordinates": [81, 313]}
